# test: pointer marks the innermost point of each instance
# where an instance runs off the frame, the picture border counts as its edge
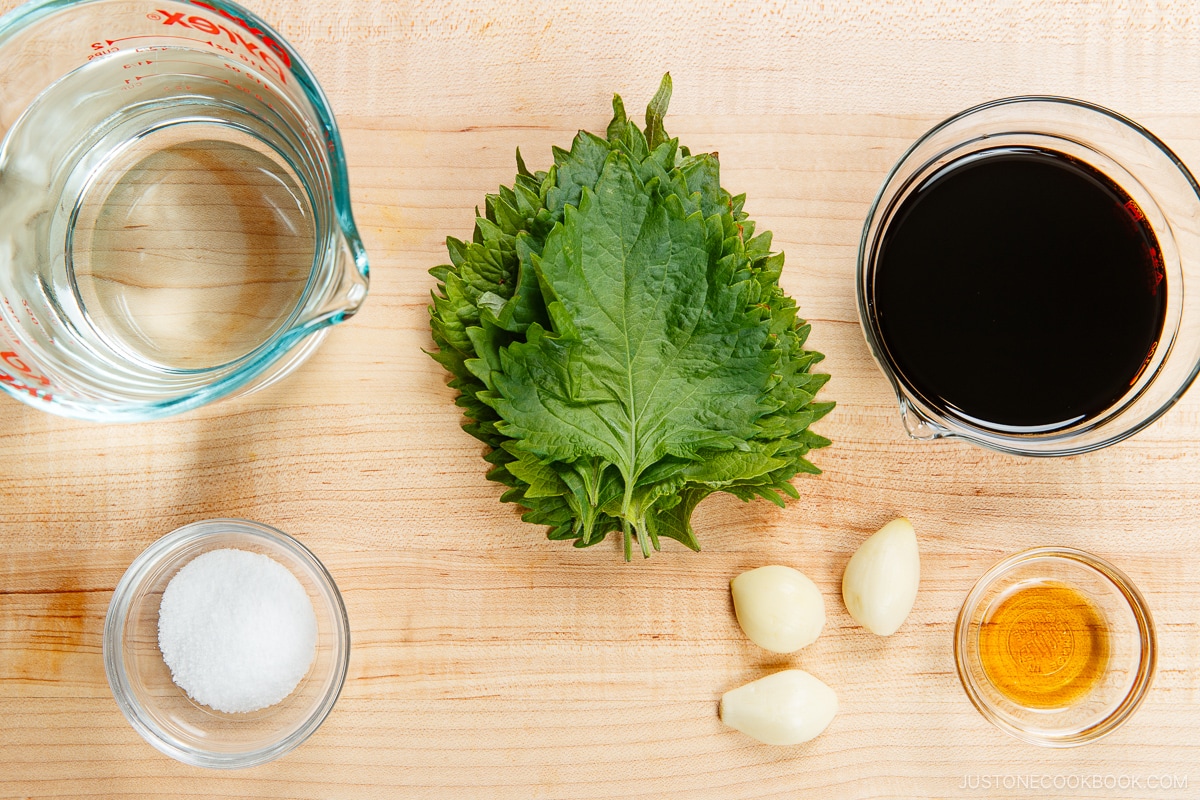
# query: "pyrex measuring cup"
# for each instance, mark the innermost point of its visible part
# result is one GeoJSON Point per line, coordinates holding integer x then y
{"type": "Point", "coordinates": [1156, 180]}
{"type": "Point", "coordinates": [175, 219]}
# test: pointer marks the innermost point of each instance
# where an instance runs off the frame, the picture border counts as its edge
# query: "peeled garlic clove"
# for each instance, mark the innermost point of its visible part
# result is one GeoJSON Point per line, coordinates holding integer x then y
{"type": "Point", "coordinates": [880, 582]}
{"type": "Point", "coordinates": [787, 707]}
{"type": "Point", "coordinates": [779, 608]}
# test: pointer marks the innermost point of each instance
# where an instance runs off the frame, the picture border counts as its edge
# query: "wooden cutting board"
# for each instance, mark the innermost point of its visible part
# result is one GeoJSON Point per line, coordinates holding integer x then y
{"type": "Point", "coordinates": [490, 663]}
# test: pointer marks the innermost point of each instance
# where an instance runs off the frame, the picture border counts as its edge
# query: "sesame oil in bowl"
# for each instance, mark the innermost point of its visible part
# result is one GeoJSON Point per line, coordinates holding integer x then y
{"type": "Point", "coordinates": [1044, 645]}
{"type": "Point", "coordinates": [1055, 646]}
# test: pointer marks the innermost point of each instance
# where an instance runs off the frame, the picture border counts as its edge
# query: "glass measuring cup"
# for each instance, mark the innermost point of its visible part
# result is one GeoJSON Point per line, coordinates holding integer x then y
{"type": "Point", "coordinates": [175, 222]}
{"type": "Point", "coordinates": [1136, 160]}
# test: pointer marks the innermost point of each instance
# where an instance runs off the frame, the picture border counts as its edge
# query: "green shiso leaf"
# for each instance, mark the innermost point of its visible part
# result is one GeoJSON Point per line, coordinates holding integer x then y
{"type": "Point", "coordinates": [618, 337]}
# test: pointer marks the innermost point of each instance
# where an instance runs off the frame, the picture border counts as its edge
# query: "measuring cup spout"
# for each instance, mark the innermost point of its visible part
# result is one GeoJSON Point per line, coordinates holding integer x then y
{"type": "Point", "coordinates": [346, 286]}
{"type": "Point", "coordinates": [919, 426]}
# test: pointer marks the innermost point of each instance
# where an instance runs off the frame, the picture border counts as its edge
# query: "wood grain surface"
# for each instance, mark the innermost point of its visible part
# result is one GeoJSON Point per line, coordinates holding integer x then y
{"type": "Point", "coordinates": [490, 663]}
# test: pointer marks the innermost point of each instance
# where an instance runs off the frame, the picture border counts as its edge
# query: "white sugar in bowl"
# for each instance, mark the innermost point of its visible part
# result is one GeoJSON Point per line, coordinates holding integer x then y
{"type": "Point", "coordinates": [191, 705]}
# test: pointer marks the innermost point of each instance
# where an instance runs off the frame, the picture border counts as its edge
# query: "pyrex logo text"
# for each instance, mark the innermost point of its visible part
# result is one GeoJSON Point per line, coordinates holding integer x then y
{"type": "Point", "coordinates": [257, 44]}
{"type": "Point", "coordinates": [19, 381]}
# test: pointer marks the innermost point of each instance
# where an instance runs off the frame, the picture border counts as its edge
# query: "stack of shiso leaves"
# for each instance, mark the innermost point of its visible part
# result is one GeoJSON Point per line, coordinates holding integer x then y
{"type": "Point", "coordinates": [619, 339]}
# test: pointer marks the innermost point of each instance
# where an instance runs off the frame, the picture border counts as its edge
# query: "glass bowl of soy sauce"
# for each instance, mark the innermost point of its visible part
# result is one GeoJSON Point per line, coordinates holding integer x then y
{"type": "Point", "coordinates": [1021, 278]}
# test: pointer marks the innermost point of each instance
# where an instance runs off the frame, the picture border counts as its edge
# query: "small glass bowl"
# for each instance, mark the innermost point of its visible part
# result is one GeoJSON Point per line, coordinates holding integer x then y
{"type": "Point", "coordinates": [161, 711]}
{"type": "Point", "coordinates": [1132, 157]}
{"type": "Point", "coordinates": [1127, 672]}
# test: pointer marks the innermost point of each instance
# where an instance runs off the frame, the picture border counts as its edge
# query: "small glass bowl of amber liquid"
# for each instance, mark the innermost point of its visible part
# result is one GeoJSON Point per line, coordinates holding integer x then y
{"type": "Point", "coordinates": [1055, 646]}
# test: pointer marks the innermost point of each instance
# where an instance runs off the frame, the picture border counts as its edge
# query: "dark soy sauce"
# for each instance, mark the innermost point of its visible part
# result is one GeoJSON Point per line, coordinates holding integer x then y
{"type": "Point", "coordinates": [1020, 290]}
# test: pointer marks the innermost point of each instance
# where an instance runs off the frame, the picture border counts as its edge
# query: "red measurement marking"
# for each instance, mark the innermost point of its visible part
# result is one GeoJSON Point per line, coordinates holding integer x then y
{"type": "Point", "coordinates": [110, 42]}
{"type": "Point", "coordinates": [28, 310]}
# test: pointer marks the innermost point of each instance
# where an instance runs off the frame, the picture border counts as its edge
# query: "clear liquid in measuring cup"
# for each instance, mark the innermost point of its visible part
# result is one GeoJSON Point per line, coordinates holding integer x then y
{"type": "Point", "coordinates": [187, 233]}
{"type": "Point", "coordinates": [195, 253]}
